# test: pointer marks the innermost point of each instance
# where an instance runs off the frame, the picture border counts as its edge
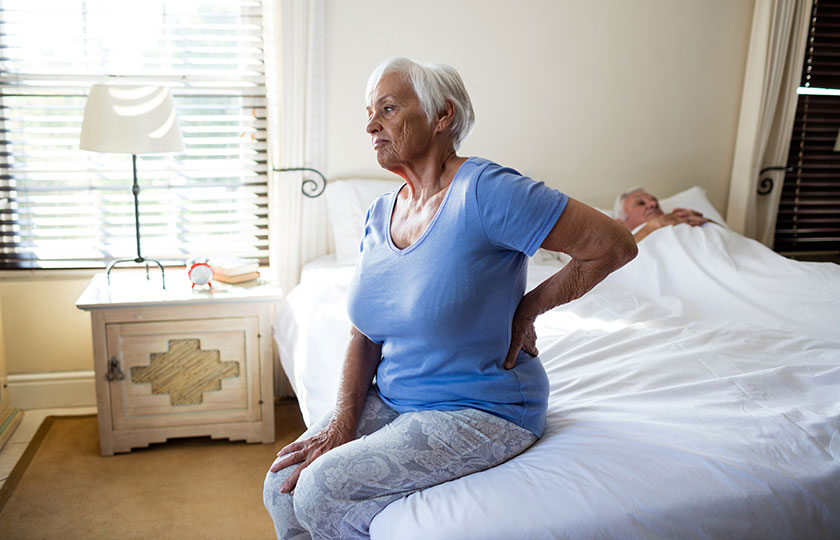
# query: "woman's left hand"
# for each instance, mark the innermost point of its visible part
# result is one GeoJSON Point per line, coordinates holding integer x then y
{"type": "Point", "coordinates": [523, 336]}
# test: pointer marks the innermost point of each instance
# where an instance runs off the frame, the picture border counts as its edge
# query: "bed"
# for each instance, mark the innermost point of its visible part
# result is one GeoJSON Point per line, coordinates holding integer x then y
{"type": "Point", "coordinates": [694, 394]}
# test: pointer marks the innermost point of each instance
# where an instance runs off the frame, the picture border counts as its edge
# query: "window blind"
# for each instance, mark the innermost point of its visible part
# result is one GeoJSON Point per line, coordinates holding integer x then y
{"type": "Point", "coordinates": [65, 207]}
{"type": "Point", "coordinates": [809, 210]}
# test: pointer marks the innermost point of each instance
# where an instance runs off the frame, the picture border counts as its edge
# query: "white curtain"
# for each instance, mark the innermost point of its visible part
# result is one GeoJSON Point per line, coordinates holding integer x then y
{"type": "Point", "coordinates": [295, 83]}
{"type": "Point", "coordinates": [768, 105]}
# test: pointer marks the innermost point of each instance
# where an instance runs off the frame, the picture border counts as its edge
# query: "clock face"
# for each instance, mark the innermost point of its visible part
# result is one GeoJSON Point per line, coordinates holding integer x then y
{"type": "Point", "coordinates": [200, 273]}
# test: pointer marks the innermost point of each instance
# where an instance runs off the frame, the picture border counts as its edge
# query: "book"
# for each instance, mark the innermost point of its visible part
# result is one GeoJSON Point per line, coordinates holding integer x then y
{"type": "Point", "coordinates": [239, 278]}
{"type": "Point", "coordinates": [233, 266]}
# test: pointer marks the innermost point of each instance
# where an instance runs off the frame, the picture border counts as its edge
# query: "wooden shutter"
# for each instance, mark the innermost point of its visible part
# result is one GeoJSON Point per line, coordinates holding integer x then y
{"type": "Point", "coordinates": [809, 210]}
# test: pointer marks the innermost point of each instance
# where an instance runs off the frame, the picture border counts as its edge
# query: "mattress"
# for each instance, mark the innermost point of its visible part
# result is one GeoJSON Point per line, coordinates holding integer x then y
{"type": "Point", "coordinates": [672, 414]}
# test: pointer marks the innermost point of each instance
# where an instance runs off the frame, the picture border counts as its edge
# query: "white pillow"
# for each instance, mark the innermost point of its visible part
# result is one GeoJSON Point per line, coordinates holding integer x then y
{"type": "Point", "coordinates": [693, 198]}
{"type": "Point", "coordinates": [347, 204]}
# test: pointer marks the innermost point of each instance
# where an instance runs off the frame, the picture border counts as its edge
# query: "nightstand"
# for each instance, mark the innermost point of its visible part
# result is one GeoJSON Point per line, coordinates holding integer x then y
{"type": "Point", "coordinates": [180, 362]}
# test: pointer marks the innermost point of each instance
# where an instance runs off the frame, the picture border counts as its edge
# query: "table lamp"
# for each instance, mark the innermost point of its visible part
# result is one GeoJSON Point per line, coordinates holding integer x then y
{"type": "Point", "coordinates": [131, 120]}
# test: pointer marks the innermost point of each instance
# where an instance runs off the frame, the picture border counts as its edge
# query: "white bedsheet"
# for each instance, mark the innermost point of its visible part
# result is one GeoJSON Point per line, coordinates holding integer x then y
{"type": "Point", "coordinates": [660, 424]}
{"type": "Point", "coordinates": [719, 274]}
{"type": "Point", "coordinates": [658, 427]}
{"type": "Point", "coordinates": [311, 330]}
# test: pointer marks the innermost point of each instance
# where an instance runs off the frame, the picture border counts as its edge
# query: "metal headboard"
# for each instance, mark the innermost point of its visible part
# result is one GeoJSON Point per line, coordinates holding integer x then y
{"type": "Point", "coordinates": [311, 187]}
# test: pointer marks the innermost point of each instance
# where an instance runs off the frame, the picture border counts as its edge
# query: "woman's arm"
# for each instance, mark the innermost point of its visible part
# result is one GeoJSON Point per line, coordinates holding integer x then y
{"type": "Point", "coordinates": [597, 245]}
{"type": "Point", "coordinates": [363, 357]}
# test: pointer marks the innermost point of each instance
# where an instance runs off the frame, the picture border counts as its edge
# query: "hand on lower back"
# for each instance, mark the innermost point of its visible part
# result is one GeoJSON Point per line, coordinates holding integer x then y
{"type": "Point", "coordinates": [523, 337]}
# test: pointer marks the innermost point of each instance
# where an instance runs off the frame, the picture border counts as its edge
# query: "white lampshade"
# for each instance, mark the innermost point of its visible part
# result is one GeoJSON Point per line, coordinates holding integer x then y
{"type": "Point", "coordinates": [130, 120]}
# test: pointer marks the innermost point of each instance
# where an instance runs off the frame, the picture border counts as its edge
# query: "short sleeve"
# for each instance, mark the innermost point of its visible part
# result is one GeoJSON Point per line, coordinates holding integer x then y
{"type": "Point", "coordinates": [366, 227]}
{"type": "Point", "coordinates": [517, 212]}
{"type": "Point", "coordinates": [375, 215]}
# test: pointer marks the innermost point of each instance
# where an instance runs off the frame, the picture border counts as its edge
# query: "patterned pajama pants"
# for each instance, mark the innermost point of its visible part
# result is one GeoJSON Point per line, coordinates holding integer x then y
{"type": "Point", "coordinates": [339, 494]}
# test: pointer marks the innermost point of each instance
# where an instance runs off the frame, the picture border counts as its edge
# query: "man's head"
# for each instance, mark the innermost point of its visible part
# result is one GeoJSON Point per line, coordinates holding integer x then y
{"type": "Point", "coordinates": [636, 207]}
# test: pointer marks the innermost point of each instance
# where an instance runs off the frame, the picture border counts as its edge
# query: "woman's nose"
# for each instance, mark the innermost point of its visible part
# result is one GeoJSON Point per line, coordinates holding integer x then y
{"type": "Point", "coordinates": [372, 125]}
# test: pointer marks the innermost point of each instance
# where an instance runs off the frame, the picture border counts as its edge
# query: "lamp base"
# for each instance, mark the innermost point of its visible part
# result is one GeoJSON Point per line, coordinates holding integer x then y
{"type": "Point", "coordinates": [140, 260]}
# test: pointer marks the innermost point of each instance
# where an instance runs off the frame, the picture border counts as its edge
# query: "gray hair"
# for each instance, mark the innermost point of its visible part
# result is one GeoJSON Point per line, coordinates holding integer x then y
{"type": "Point", "coordinates": [619, 212]}
{"type": "Point", "coordinates": [433, 84]}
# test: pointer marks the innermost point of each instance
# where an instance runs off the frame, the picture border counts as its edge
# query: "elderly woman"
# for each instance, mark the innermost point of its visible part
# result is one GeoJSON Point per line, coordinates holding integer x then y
{"type": "Point", "coordinates": [440, 316]}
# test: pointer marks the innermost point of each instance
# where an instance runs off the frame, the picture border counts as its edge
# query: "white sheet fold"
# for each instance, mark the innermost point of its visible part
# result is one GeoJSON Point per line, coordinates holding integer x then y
{"type": "Point", "coordinates": [722, 275]}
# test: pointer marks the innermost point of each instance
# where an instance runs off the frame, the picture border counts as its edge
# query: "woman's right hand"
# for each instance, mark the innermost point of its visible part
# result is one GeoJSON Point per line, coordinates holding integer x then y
{"type": "Point", "coordinates": [363, 356]}
{"type": "Point", "coordinates": [308, 450]}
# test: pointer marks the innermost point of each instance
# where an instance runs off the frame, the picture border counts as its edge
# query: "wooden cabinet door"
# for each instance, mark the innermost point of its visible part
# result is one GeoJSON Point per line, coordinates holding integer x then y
{"type": "Point", "coordinates": [187, 372]}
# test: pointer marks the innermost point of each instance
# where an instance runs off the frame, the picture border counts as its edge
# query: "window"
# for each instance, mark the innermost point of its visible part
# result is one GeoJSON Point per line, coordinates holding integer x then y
{"type": "Point", "coordinates": [808, 222]}
{"type": "Point", "coordinates": [64, 207]}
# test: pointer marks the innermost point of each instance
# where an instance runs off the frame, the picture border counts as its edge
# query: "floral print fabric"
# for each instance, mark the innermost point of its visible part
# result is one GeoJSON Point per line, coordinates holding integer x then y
{"type": "Point", "coordinates": [394, 455]}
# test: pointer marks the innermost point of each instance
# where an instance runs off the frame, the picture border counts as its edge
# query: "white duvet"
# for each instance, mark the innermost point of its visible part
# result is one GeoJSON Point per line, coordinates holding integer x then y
{"type": "Point", "coordinates": [702, 417]}
{"type": "Point", "coordinates": [718, 274]}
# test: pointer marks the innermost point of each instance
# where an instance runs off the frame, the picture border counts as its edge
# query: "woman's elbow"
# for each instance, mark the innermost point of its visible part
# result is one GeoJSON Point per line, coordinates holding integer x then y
{"type": "Point", "coordinates": [614, 254]}
{"type": "Point", "coordinates": [625, 249]}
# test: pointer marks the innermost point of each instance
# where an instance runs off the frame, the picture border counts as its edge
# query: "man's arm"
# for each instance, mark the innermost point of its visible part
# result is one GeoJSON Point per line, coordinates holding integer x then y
{"type": "Point", "coordinates": [677, 216]}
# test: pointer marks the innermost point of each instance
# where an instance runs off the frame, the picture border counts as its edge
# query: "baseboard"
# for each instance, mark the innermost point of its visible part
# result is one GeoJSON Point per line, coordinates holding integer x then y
{"type": "Point", "coordinates": [78, 389]}
{"type": "Point", "coordinates": [52, 390]}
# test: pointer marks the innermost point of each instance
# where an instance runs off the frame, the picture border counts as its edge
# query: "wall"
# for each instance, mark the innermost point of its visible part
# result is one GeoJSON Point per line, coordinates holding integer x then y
{"type": "Point", "coordinates": [42, 329]}
{"type": "Point", "coordinates": [591, 96]}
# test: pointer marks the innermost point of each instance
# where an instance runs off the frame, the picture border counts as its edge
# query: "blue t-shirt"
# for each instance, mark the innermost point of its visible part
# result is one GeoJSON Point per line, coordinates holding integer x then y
{"type": "Point", "coordinates": [442, 308]}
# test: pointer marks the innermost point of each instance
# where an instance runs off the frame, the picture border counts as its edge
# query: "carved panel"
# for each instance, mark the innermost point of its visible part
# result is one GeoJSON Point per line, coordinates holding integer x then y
{"type": "Point", "coordinates": [185, 372]}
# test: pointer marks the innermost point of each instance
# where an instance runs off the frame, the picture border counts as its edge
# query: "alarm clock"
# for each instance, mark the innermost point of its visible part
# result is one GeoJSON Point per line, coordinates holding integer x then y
{"type": "Point", "coordinates": [200, 273]}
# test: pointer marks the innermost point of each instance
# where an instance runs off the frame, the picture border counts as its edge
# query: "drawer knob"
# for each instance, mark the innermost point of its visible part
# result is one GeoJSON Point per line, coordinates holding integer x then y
{"type": "Point", "coordinates": [114, 372]}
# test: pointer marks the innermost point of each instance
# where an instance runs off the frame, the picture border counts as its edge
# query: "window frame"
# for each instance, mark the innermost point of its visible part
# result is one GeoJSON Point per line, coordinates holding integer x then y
{"type": "Point", "coordinates": [186, 178]}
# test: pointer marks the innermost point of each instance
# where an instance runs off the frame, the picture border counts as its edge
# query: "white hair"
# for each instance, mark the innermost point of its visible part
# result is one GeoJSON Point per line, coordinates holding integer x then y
{"type": "Point", "coordinates": [434, 84]}
{"type": "Point", "coordinates": [619, 212]}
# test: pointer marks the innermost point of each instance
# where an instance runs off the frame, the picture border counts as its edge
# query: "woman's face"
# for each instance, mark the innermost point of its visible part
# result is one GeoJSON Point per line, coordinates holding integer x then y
{"type": "Point", "coordinates": [398, 127]}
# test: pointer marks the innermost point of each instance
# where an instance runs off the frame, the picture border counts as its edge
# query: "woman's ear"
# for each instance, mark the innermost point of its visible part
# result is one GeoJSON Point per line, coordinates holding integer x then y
{"type": "Point", "coordinates": [445, 117]}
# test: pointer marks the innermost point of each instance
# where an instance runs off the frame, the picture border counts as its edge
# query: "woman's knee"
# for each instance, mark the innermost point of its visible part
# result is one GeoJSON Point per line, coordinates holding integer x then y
{"type": "Point", "coordinates": [309, 497]}
{"type": "Point", "coordinates": [278, 504]}
{"type": "Point", "coordinates": [319, 497]}
{"type": "Point", "coordinates": [269, 489]}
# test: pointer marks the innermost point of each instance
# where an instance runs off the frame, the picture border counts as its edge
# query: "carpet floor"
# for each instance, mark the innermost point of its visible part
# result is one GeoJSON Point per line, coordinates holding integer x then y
{"type": "Point", "coordinates": [182, 489]}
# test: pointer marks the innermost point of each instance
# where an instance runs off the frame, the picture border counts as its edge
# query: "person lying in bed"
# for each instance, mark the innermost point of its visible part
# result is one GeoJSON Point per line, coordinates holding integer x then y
{"type": "Point", "coordinates": [637, 207]}
{"type": "Point", "coordinates": [440, 316]}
